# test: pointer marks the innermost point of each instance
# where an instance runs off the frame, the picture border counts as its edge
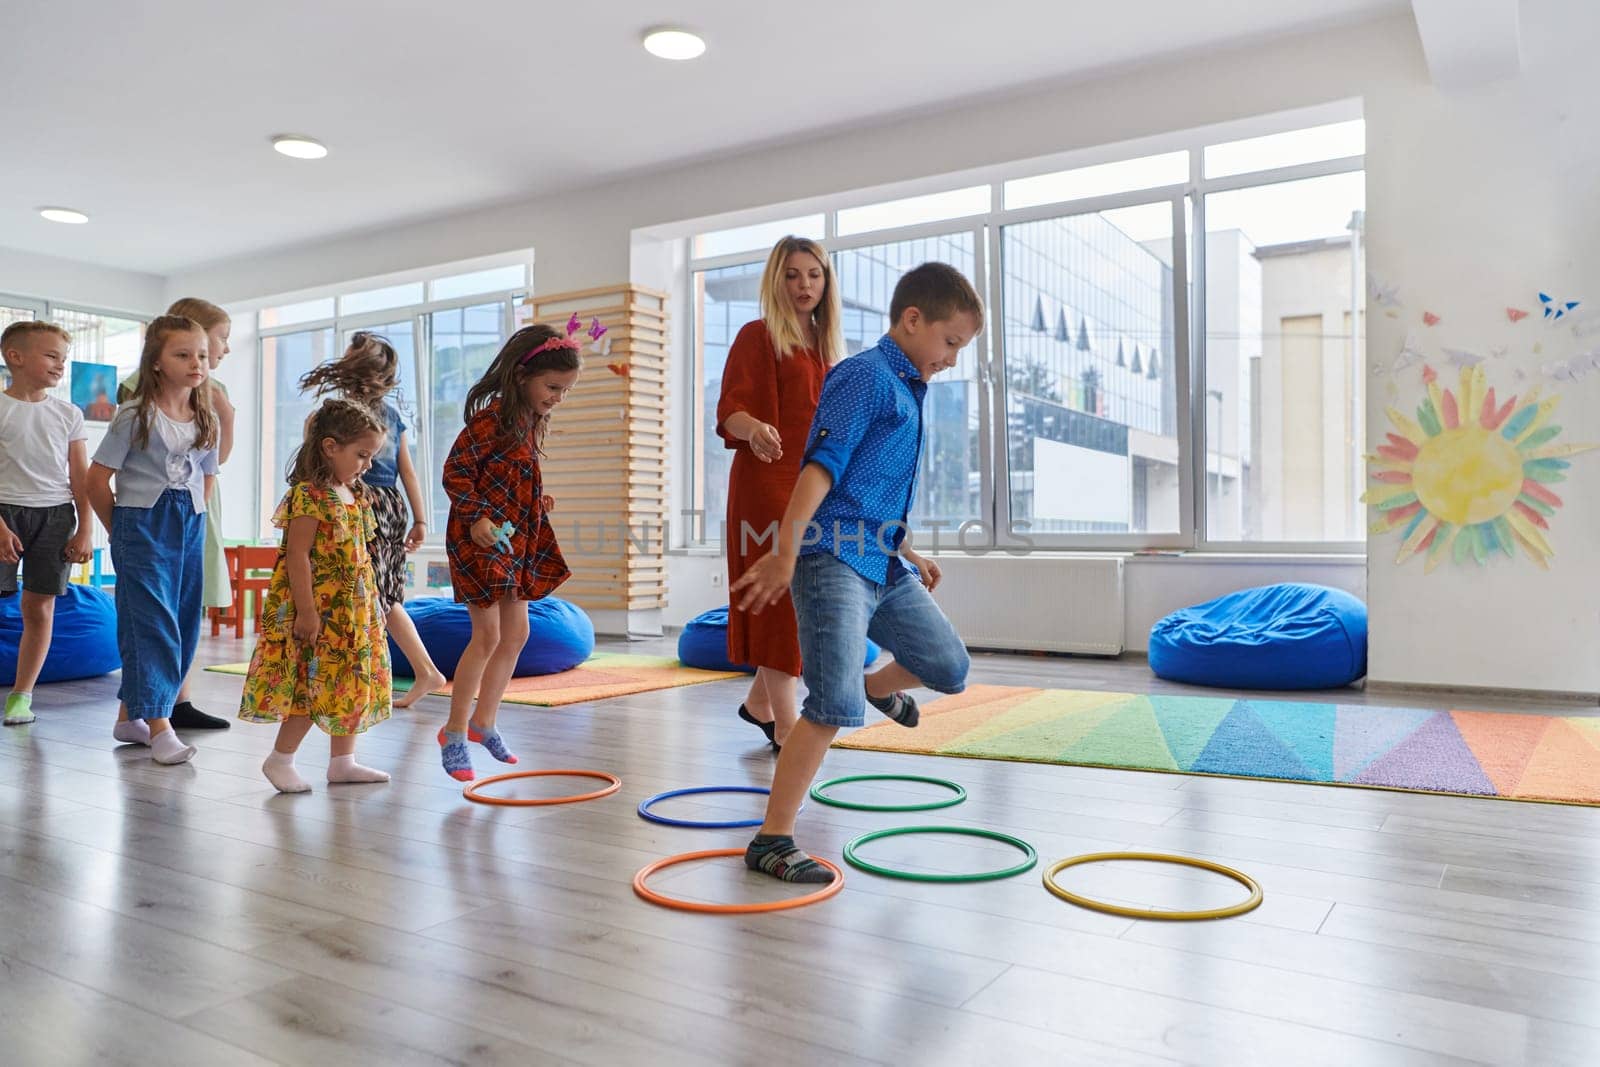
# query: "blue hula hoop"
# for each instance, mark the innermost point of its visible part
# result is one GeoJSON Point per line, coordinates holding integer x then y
{"type": "Point", "coordinates": [732, 824]}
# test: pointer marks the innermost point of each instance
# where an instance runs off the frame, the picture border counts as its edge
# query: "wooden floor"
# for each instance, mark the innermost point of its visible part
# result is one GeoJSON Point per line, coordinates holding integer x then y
{"type": "Point", "coordinates": [190, 915]}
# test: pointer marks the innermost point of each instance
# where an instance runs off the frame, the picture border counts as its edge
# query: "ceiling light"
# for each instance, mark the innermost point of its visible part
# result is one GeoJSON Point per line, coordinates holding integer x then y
{"type": "Point", "coordinates": [64, 214]}
{"type": "Point", "coordinates": [674, 44]}
{"type": "Point", "coordinates": [291, 144]}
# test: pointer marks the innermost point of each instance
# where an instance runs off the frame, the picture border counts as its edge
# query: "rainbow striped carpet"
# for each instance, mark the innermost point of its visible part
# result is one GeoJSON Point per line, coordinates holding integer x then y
{"type": "Point", "coordinates": [1472, 753]}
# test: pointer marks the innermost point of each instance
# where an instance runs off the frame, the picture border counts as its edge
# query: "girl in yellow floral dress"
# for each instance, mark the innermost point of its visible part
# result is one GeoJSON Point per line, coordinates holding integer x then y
{"type": "Point", "coordinates": [323, 656]}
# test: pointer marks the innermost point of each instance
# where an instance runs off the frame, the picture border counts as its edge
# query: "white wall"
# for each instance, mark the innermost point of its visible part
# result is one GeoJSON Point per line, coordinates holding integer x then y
{"type": "Point", "coordinates": [69, 282]}
{"type": "Point", "coordinates": [1478, 199]}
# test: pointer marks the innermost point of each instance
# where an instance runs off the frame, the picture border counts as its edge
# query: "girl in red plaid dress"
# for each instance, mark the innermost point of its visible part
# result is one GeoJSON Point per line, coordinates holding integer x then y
{"type": "Point", "coordinates": [502, 550]}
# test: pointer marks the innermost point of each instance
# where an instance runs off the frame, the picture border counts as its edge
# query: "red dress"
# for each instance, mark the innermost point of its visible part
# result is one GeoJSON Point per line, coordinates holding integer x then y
{"type": "Point", "coordinates": [485, 476]}
{"type": "Point", "coordinates": [783, 393]}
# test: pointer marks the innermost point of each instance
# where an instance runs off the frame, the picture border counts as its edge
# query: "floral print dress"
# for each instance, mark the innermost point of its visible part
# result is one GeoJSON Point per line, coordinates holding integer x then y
{"type": "Point", "coordinates": [342, 680]}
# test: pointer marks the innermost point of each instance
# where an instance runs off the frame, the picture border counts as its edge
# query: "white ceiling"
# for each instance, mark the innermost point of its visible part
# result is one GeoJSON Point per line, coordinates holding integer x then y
{"type": "Point", "coordinates": [155, 117]}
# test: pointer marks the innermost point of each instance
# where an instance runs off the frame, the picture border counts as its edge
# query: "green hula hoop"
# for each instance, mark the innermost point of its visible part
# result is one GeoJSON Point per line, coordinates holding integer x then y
{"type": "Point", "coordinates": [1030, 857]}
{"type": "Point", "coordinates": [817, 792]}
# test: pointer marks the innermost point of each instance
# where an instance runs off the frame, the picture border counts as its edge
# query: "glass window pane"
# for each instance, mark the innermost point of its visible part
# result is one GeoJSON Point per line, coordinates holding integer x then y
{"type": "Point", "coordinates": [1285, 389]}
{"type": "Point", "coordinates": [1103, 179]}
{"type": "Point", "coordinates": [1312, 145]}
{"type": "Point", "coordinates": [949, 481]}
{"type": "Point", "coordinates": [493, 280]}
{"type": "Point", "coordinates": [1090, 378]}
{"type": "Point", "coordinates": [403, 336]}
{"type": "Point", "coordinates": [283, 360]}
{"type": "Point", "coordinates": [293, 314]}
{"type": "Point", "coordinates": [759, 235]}
{"type": "Point", "coordinates": [96, 338]}
{"type": "Point", "coordinates": [464, 343]}
{"type": "Point", "coordinates": [391, 296]}
{"type": "Point", "coordinates": [727, 298]}
{"type": "Point", "coordinates": [912, 211]}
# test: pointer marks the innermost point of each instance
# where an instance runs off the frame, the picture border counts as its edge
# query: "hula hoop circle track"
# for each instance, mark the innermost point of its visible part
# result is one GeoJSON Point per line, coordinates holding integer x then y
{"type": "Point", "coordinates": [818, 791]}
{"type": "Point", "coordinates": [646, 893]}
{"type": "Point", "coordinates": [471, 791]}
{"type": "Point", "coordinates": [1228, 912]}
{"type": "Point", "coordinates": [1030, 857]}
{"type": "Point", "coordinates": [734, 824]}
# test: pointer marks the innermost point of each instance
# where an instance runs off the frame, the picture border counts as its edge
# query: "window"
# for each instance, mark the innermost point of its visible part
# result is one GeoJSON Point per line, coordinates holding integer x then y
{"type": "Point", "coordinates": [463, 344]}
{"type": "Point", "coordinates": [493, 280]}
{"type": "Point", "coordinates": [1285, 377]}
{"type": "Point", "coordinates": [284, 358]}
{"type": "Point", "coordinates": [1312, 145]}
{"type": "Point", "coordinates": [948, 483]}
{"type": "Point", "coordinates": [1082, 183]}
{"type": "Point", "coordinates": [1092, 444]}
{"type": "Point", "coordinates": [763, 235]}
{"type": "Point", "coordinates": [443, 346]}
{"type": "Point", "coordinates": [912, 211]}
{"type": "Point", "coordinates": [1115, 411]}
{"type": "Point", "coordinates": [391, 296]}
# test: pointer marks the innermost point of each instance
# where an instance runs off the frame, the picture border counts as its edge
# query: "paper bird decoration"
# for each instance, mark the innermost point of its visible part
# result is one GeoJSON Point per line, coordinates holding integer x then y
{"type": "Point", "coordinates": [1516, 314]}
{"type": "Point", "coordinates": [1381, 294]}
{"type": "Point", "coordinates": [1556, 309]}
{"type": "Point", "coordinates": [1430, 319]}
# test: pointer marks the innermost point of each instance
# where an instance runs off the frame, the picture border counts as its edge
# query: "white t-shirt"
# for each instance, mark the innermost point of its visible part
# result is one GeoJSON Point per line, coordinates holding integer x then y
{"type": "Point", "coordinates": [33, 450]}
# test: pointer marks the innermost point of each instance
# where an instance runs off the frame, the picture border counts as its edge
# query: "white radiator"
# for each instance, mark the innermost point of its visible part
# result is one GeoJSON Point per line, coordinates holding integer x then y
{"type": "Point", "coordinates": [1044, 603]}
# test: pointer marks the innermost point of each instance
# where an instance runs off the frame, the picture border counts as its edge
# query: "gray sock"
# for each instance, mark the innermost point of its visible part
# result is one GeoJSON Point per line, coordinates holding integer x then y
{"type": "Point", "coordinates": [776, 854]}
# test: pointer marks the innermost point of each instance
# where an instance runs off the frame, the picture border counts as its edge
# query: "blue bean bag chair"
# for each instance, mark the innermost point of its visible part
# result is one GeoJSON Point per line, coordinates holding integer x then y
{"type": "Point", "coordinates": [1287, 636]}
{"type": "Point", "coordinates": [560, 636]}
{"type": "Point", "coordinates": [704, 643]}
{"type": "Point", "coordinates": [84, 643]}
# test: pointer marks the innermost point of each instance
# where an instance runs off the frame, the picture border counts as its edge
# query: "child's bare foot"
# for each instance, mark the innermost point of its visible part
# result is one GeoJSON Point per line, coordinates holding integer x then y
{"type": "Point", "coordinates": [424, 685]}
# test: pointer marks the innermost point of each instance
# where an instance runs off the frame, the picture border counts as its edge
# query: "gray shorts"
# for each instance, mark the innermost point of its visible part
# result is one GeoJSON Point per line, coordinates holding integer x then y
{"type": "Point", "coordinates": [44, 533]}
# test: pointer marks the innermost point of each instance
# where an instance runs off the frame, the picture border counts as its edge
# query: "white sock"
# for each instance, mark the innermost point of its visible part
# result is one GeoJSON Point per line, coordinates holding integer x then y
{"type": "Point", "coordinates": [346, 769]}
{"type": "Point", "coordinates": [168, 747]}
{"type": "Point", "coordinates": [279, 769]}
{"type": "Point", "coordinates": [132, 732]}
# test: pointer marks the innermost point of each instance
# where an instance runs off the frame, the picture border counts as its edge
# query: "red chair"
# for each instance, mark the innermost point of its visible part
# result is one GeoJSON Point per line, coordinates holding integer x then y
{"type": "Point", "coordinates": [249, 572]}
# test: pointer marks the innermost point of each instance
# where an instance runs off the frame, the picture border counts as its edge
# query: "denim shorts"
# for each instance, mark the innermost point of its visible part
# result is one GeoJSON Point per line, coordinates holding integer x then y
{"type": "Point", "coordinates": [159, 554]}
{"type": "Point", "coordinates": [838, 609]}
{"type": "Point", "coordinates": [44, 533]}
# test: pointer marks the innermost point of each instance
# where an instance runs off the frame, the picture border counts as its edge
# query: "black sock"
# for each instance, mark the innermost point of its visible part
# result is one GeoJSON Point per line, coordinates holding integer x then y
{"type": "Point", "coordinates": [898, 706]}
{"type": "Point", "coordinates": [185, 716]}
{"type": "Point", "coordinates": [765, 727]}
{"type": "Point", "coordinates": [776, 854]}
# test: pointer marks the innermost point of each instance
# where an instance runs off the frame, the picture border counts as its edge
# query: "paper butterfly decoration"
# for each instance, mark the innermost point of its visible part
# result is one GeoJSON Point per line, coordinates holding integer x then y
{"type": "Point", "coordinates": [1381, 294]}
{"type": "Point", "coordinates": [1410, 353]}
{"type": "Point", "coordinates": [1430, 319]}
{"type": "Point", "coordinates": [619, 369]}
{"type": "Point", "coordinates": [574, 324]}
{"type": "Point", "coordinates": [1555, 309]}
{"type": "Point", "coordinates": [1516, 314]}
{"type": "Point", "coordinates": [1585, 327]}
{"type": "Point", "coordinates": [1460, 357]}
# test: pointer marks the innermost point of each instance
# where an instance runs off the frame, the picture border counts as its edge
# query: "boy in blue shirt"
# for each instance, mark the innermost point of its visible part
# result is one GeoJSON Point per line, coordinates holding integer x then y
{"type": "Point", "coordinates": [842, 550]}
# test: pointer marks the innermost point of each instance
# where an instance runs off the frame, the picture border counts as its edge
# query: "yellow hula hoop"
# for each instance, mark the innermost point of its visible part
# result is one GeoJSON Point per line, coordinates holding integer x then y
{"type": "Point", "coordinates": [1151, 913]}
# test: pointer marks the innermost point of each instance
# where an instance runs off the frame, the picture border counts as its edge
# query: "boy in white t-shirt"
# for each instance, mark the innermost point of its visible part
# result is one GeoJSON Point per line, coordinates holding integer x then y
{"type": "Point", "coordinates": [44, 501]}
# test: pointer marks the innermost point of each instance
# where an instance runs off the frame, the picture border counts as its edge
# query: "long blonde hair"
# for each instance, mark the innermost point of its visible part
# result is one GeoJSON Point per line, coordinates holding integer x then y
{"type": "Point", "coordinates": [144, 394]}
{"type": "Point", "coordinates": [783, 324]}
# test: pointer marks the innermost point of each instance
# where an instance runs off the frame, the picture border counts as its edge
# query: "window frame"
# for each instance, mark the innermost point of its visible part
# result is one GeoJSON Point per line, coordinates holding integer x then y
{"type": "Point", "coordinates": [1189, 328]}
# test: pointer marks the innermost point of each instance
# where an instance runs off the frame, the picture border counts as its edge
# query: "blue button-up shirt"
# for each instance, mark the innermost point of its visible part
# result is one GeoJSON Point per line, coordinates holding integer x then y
{"type": "Point", "coordinates": [867, 433]}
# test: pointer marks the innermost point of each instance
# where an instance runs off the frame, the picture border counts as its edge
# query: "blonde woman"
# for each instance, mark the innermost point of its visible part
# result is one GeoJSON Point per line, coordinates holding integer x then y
{"type": "Point", "coordinates": [770, 388]}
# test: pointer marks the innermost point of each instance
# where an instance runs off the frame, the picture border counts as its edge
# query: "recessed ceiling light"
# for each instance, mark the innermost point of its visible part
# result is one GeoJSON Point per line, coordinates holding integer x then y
{"type": "Point", "coordinates": [64, 214]}
{"type": "Point", "coordinates": [674, 44]}
{"type": "Point", "coordinates": [292, 144]}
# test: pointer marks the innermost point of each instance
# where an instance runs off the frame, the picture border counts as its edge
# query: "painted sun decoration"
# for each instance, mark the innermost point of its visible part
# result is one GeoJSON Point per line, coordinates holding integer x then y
{"type": "Point", "coordinates": [1471, 476]}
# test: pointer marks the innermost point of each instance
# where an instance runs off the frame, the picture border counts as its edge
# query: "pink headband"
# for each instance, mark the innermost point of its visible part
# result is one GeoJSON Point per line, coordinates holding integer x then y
{"type": "Point", "coordinates": [574, 324]}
